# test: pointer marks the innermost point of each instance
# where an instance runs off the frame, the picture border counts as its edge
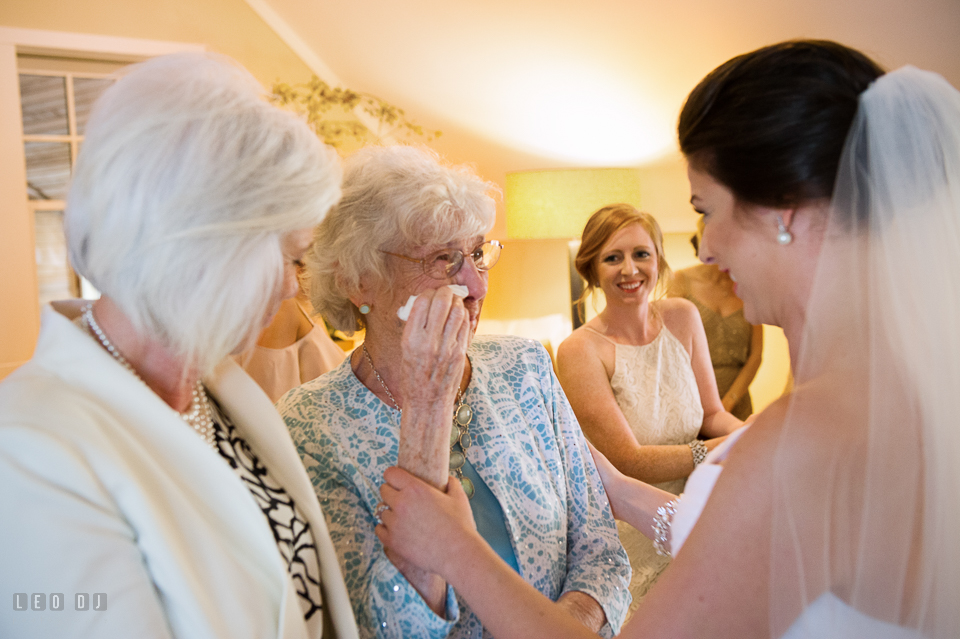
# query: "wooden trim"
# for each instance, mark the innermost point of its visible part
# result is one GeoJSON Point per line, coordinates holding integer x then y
{"type": "Point", "coordinates": [303, 50]}
{"type": "Point", "coordinates": [74, 45]}
{"type": "Point", "coordinates": [293, 40]}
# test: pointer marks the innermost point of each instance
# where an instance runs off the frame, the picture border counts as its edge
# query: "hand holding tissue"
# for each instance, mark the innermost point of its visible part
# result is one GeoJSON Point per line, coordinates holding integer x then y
{"type": "Point", "coordinates": [404, 312]}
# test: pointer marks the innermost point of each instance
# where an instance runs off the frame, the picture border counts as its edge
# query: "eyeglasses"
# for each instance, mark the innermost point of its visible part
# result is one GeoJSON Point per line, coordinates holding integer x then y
{"type": "Point", "coordinates": [447, 263]}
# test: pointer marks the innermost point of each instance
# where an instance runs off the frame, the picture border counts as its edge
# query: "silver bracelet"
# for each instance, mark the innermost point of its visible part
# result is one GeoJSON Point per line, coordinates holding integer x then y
{"type": "Point", "coordinates": [661, 527]}
{"type": "Point", "coordinates": [699, 451]}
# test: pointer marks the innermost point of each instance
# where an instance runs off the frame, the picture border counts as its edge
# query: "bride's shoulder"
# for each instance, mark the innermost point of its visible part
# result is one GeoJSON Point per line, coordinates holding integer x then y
{"type": "Point", "coordinates": [818, 419]}
{"type": "Point", "coordinates": [760, 439]}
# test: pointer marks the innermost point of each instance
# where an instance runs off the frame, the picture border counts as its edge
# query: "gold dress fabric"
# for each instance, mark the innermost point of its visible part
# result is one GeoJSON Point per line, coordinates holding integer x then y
{"type": "Point", "coordinates": [729, 339]}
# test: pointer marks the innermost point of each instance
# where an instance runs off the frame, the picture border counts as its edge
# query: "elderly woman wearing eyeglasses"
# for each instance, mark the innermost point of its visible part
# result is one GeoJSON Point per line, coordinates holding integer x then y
{"type": "Point", "coordinates": [424, 394]}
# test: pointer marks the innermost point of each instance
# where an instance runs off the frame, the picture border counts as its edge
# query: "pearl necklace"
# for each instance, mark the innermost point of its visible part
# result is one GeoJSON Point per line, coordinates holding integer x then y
{"type": "Point", "coordinates": [199, 415]}
{"type": "Point", "coordinates": [459, 434]}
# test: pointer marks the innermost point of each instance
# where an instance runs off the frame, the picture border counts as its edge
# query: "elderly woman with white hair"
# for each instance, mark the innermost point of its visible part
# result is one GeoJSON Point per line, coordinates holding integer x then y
{"type": "Point", "coordinates": [147, 485]}
{"type": "Point", "coordinates": [408, 236]}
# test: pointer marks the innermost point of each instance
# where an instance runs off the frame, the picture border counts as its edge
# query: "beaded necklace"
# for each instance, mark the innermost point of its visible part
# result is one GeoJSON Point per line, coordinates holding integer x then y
{"type": "Point", "coordinates": [199, 415]}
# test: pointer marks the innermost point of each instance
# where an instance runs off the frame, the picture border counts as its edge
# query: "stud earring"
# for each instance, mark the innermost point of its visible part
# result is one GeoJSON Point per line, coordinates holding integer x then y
{"type": "Point", "coordinates": [364, 309]}
{"type": "Point", "coordinates": [784, 236]}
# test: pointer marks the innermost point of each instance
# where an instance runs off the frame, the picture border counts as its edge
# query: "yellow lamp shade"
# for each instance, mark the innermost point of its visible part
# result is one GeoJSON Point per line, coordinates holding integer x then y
{"type": "Point", "coordinates": [557, 203]}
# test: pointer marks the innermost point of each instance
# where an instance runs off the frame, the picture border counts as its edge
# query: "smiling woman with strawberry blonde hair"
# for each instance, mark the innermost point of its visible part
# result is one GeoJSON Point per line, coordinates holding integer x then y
{"type": "Point", "coordinates": [638, 375]}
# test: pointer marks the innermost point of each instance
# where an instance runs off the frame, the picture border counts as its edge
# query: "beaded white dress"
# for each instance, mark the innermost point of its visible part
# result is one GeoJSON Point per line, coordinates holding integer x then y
{"type": "Point", "coordinates": [656, 390]}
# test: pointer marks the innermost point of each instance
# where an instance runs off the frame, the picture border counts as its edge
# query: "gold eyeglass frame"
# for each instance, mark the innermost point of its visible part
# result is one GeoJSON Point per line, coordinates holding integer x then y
{"type": "Point", "coordinates": [430, 259]}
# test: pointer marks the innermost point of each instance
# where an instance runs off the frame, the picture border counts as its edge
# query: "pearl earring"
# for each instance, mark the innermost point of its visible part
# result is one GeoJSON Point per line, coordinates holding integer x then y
{"type": "Point", "coordinates": [784, 236]}
{"type": "Point", "coordinates": [364, 309]}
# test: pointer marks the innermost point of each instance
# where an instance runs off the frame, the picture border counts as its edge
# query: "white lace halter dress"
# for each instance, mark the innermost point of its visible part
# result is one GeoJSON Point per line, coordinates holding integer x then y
{"type": "Point", "coordinates": [657, 392]}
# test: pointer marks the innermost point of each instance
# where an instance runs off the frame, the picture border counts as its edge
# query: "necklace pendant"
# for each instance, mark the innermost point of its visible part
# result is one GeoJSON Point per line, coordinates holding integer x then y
{"type": "Point", "coordinates": [457, 459]}
{"type": "Point", "coordinates": [464, 414]}
{"type": "Point", "coordinates": [468, 487]}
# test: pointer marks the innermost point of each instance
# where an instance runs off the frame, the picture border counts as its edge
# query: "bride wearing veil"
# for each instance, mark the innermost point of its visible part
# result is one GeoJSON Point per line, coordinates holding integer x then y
{"type": "Point", "coordinates": [875, 525]}
{"type": "Point", "coordinates": [831, 195]}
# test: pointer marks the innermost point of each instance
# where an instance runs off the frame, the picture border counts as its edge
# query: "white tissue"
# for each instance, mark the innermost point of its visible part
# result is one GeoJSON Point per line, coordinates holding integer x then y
{"type": "Point", "coordinates": [459, 290]}
{"type": "Point", "coordinates": [404, 312]}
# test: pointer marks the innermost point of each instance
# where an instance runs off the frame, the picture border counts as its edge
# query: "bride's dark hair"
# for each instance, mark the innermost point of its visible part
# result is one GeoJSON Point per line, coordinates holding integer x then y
{"type": "Point", "coordinates": [770, 124]}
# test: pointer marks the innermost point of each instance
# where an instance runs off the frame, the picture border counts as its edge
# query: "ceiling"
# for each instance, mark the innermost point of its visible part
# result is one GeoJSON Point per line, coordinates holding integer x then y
{"type": "Point", "coordinates": [526, 84]}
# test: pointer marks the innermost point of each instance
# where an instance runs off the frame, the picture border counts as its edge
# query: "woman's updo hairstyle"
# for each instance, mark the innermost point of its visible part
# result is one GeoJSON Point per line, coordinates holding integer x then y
{"type": "Point", "coordinates": [770, 125]}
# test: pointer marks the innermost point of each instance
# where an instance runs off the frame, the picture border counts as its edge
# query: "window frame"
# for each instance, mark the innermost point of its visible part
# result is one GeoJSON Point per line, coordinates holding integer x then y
{"type": "Point", "coordinates": [48, 67]}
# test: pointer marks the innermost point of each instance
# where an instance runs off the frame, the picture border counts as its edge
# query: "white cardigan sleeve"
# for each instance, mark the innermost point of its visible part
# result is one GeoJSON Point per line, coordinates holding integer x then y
{"type": "Point", "coordinates": [62, 535]}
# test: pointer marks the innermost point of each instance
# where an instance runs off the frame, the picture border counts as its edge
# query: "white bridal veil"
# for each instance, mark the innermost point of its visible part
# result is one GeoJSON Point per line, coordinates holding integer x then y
{"type": "Point", "coordinates": [878, 522]}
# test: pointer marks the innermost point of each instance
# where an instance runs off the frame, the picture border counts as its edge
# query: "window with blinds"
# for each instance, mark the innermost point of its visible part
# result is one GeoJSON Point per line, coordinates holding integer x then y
{"type": "Point", "coordinates": [56, 96]}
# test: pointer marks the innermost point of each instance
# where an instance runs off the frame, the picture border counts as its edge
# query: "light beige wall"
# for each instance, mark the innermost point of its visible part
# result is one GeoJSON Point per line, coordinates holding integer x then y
{"type": "Point", "coordinates": [665, 193]}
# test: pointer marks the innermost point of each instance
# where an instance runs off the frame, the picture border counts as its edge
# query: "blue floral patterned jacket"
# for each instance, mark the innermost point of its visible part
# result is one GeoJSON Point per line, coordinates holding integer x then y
{"type": "Point", "coordinates": [527, 447]}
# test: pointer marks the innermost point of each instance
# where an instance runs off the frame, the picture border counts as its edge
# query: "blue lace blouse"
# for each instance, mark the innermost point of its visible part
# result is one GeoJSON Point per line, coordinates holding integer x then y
{"type": "Point", "coordinates": [527, 447]}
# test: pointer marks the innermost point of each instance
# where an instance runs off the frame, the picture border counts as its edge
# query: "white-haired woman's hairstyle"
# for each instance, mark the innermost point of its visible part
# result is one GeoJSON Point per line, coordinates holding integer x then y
{"type": "Point", "coordinates": [395, 198]}
{"type": "Point", "coordinates": [187, 182]}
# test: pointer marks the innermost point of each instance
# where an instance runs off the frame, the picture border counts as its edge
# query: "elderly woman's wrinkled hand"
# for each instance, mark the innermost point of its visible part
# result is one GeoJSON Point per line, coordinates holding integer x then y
{"type": "Point", "coordinates": [434, 344]}
{"type": "Point", "coordinates": [422, 524]}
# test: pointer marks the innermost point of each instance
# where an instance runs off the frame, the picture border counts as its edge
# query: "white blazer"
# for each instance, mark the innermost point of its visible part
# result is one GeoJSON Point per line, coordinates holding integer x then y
{"type": "Point", "coordinates": [104, 489]}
